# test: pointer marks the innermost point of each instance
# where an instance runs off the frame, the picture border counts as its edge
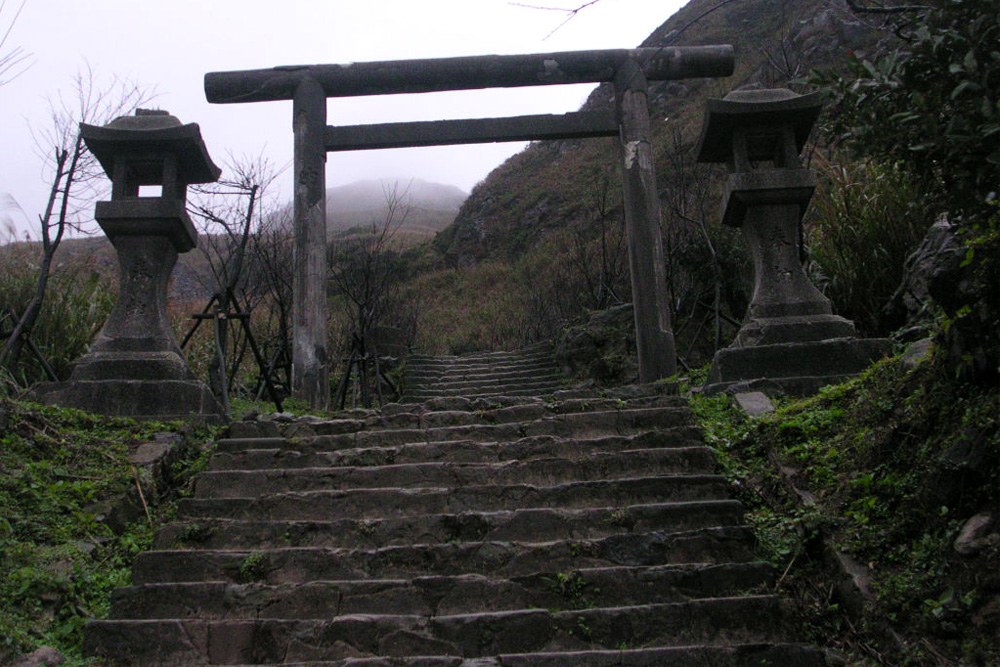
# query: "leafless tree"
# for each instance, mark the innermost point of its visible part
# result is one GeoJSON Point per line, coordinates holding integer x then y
{"type": "Point", "coordinates": [232, 214]}
{"type": "Point", "coordinates": [599, 250]}
{"type": "Point", "coordinates": [269, 272]}
{"type": "Point", "coordinates": [366, 270]}
{"type": "Point", "coordinates": [75, 177]}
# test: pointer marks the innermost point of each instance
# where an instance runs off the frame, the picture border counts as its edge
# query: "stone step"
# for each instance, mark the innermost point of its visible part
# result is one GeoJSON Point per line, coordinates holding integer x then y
{"type": "Point", "coordinates": [261, 453]}
{"type": "Point", "coordinates": [527, 525]}
{"type": "Point", "coordinates": [739, 655]}
{"type": "Point", "coordinates": [433, 373]}
{"type": "Point", "coordinates": [473, 387]}
{"type": "Point", "coordinates": [578, 424]}
{"type": "Point", "coordinates": [486, 392]}
{"type": "Point", "coordinates": [581, 529]}
{"type": "Point", "coordinates": [377, 503]}
{"type": "Point", "coordinates": [443, 595]}
{"type": "Point", "coordinates": [463, 411]}
{"type": "Point", "coordinates": [716, 621]}
{"type": "Point", "coordinates": [501, 559]}
{"type": "Point", "coordinates": [536, 348]}
{"type": "Point", "coordinates": [543, 472]}
{"type": "Point", "coordinates": [486, 361]}
{"type": "Point", "coordinates": [491, 373]}
{"type": "Point", "coordinates": [436, 411]}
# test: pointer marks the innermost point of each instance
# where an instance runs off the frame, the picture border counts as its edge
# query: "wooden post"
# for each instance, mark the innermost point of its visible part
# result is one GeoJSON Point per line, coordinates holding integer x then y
{"type": "Point", "coordinates": [654, 336]}
{"type": "Point", "coordinates": [310, 362]}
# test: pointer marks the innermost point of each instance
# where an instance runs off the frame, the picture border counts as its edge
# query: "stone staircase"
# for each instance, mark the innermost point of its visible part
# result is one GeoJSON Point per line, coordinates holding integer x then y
{"type": "Point", "coordinates": [528, 372]}
{"type": "Point", "coordinates": [581, 530]}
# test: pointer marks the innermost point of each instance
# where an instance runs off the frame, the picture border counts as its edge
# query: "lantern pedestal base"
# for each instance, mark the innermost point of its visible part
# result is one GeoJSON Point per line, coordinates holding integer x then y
{"type": "Point", "coordinates": [161, 400]}
{"type": "Point", "coordinates": [792, 369]}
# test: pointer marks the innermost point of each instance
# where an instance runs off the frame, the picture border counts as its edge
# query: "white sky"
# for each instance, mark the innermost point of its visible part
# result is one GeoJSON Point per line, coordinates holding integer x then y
{"type": "Point", "coordinates": [171, 44]}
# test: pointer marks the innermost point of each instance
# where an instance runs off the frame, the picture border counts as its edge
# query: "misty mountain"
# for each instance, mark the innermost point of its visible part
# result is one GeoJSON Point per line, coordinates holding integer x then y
{"type": "Point", "coordinates": [422, 208]}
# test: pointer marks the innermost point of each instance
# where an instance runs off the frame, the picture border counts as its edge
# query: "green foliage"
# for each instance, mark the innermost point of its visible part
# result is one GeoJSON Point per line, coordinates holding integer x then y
{"type": "Point", "coordinates": [863, 223]}
{"type": "Point", "coordinates": [932, 104]}
{"type": "Point", "coordinates": [572, 587]}
{"type": "Point", "coordinates": [931, 108]}
{"type": "Point", "coordinates": [886, 467]}
{"type": "Point", "coordinates": [253, 567]}
{"type": "Point", "coordinates": [60, 473]}
{"type": "Point", "coordinates": [77, 302]}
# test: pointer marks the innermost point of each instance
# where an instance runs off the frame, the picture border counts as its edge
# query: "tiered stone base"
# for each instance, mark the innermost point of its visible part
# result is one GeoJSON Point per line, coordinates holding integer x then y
{"type": "Point", "coordinates": [141, 399]}
{"type": "Point", "coordinates": [793, 369]}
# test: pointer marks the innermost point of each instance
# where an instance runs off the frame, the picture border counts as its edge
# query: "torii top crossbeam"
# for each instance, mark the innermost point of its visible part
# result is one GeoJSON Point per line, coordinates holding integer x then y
{"type": "Point", "coordinates": [628, 69]}
{"type": "Point", "coordinates": [467, 73]}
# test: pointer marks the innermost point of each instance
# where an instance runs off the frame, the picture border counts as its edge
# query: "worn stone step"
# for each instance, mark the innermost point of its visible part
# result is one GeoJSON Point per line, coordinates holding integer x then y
{"type": "Point", "coordinates": [539, 387]}
{"type": "Point", "coordinates": [491, 373]}
{"type": "Point", "coordinates": [475, 385]}
{"type": "Point", "coordinates": [486, 361]}
{"type": "Point", "coordinates": [527, 525]}
{"type": "Point", "coordinates": [376, 503]}
{"type": "Point", "coordinates": [577, 424]}
{"type": "Point", "coordinates": [534, 348]}
{"type": "Point", "coordinates": [279, 453]}
{"type": "Point", "coordinates": [431, 373]}
{"type": "Point", "coordinates": [543, 472]}
{"type": "Point", "coordinates": [716, 621]}
{"type": "Point", "coordinates": [739, 655]}
{"type": "Point", "coordinates": [442, 595]}
{"type": "Point", "coordinates": [487, 391]}
{"type": "Point", "coordinates": [501, 559]}
{"type": "Point", "coordinates": [443, 411]}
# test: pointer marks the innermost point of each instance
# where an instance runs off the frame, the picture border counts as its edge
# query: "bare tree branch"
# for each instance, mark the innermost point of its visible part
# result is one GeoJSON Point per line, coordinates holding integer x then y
{"type": "Point", "coordinates": [571, 13]}
{"type": "Point", "coordinates": [11, 62]}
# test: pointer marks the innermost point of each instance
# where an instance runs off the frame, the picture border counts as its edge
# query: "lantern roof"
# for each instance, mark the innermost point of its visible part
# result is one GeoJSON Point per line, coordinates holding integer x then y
{"type": "Point", "coordinates": [148, 135]}
{"type": "Point", "coordinates": [755, 110]}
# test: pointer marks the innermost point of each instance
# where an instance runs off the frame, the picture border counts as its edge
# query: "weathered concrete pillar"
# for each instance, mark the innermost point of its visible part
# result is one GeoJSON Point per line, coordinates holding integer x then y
{"type": "Point", "coordinates": [310, 361]}
{"type": "Point", "coordinates": [135, 367]}
{"type": "Point", "coordinates": [653, 332]}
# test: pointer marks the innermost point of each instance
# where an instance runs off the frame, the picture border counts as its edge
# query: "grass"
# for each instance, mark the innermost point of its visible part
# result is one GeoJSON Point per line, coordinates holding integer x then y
{"type": "Point", "coordinates": [65, 544]}
{"type": "Point", "coordinates": [885, 468]}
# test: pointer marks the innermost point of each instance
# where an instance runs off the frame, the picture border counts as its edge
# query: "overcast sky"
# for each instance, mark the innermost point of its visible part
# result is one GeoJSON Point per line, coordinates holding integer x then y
{"type": "Point", "coordinates": [171, 44]}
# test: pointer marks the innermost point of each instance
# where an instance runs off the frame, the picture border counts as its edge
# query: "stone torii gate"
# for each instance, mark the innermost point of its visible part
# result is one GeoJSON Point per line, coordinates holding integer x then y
{"type": "Point", "coordinates": [309, 86]}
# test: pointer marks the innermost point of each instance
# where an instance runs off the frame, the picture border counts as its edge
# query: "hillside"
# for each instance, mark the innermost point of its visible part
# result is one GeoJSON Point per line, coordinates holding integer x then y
{"type": "Point", "coordinates": [549, 184]}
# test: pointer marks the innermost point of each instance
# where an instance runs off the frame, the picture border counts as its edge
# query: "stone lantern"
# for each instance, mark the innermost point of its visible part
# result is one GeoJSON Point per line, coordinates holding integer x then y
{"type": "Point", "coordinates": [135, 367]}
{"type": "Point", "coordinates": [790, 342]}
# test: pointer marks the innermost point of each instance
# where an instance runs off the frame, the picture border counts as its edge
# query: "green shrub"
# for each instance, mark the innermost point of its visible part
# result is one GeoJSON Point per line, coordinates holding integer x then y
{"type": "Point", "coordinates": [77, 301]}
{"type": "Point", "coordinates": [864, 221]}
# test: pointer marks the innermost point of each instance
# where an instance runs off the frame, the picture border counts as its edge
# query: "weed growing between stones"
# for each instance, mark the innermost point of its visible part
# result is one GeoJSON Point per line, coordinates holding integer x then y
{"type": "Point", "coordinates": [253, 568]}
{"type": "Point", "coordinates": [71, 521]}
{"type": "Point", "coordinates": [574, 589]}
{"type": "Point", "coordinates": [884, 470]}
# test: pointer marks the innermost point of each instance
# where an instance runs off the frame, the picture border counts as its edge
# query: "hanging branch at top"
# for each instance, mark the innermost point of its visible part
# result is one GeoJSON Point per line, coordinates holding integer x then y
{"type": "Point", "coordinates": [13, 63]}
{"type": "Point", "coordinates": [571, 13]}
